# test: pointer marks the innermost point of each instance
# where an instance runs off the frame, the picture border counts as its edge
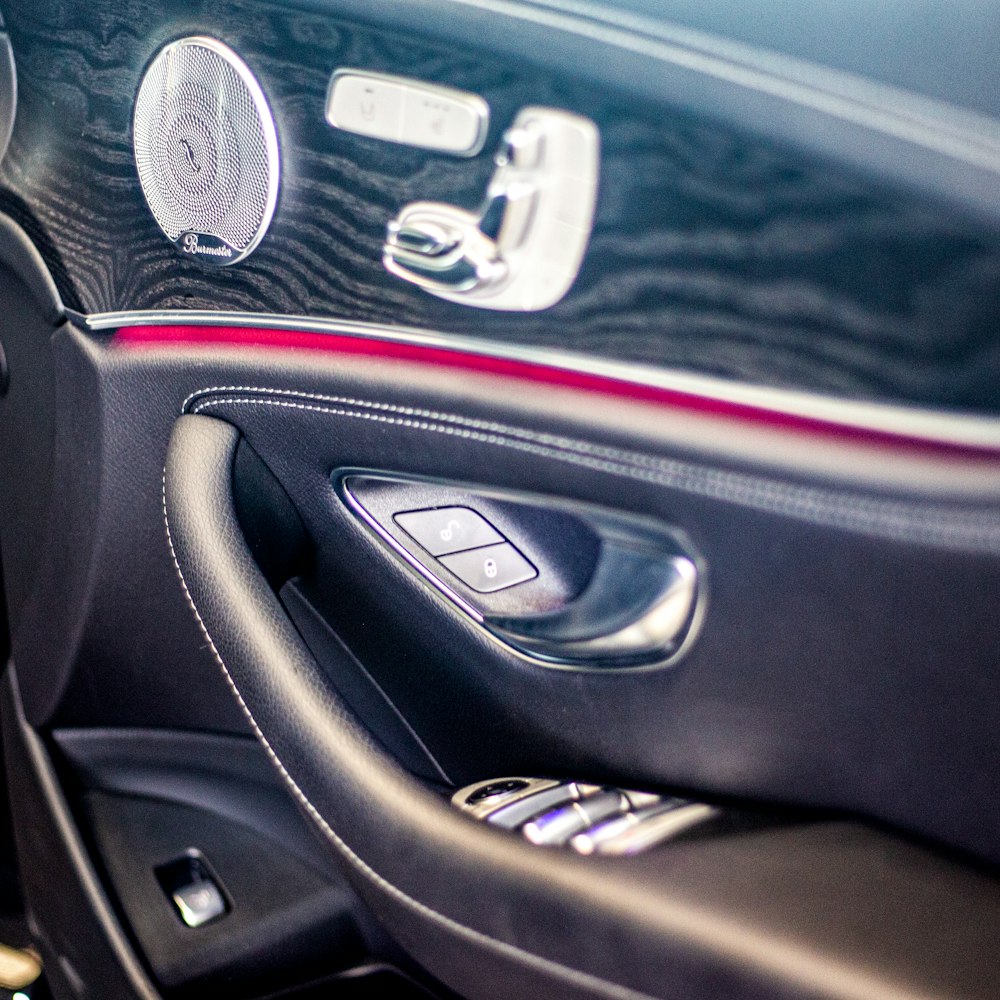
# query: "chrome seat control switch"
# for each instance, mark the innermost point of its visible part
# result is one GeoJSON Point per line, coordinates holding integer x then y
{"type": "Point", "coordinates": [522, 251]}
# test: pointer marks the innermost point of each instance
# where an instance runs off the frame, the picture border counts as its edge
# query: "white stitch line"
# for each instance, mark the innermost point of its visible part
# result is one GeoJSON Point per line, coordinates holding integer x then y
{"type": "Point", "coordinates": [556, 440]}
{"type": "Point", "coordinates": [888, 518]}
{"type": "Point", "coordinates": [572, 444]}
{"type": "Point", "coordinates": [509, 950]}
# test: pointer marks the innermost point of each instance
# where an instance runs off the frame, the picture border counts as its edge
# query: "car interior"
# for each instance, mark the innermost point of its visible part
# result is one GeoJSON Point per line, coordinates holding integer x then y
{"type": "Point", "coordinates": [500, 499]}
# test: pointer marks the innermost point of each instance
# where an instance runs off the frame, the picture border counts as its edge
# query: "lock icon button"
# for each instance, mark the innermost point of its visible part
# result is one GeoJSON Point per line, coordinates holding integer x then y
{"type": "Point", "coordinates": [495, 567]}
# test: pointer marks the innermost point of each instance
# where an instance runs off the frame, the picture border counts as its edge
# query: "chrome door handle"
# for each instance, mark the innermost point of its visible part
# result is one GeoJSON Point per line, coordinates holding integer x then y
{"type": "Point", "coordinates": [638, 607]}
{"type": "Point", "coordinates": [523, 249]}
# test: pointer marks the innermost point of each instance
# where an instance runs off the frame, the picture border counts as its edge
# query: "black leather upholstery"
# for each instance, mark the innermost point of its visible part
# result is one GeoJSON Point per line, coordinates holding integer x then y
{"type": "Point", "coordinates": [495, 917]}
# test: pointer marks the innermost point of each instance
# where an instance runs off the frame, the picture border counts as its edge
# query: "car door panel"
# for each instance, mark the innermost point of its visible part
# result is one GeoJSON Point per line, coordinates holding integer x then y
{"type": "Point", "coordinates": [415, 852]}
{"type": "Point", "coordinates": [779, 358]}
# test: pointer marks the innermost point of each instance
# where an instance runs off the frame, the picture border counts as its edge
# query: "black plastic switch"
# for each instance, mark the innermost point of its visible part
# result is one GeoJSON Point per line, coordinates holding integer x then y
{"type": "Point", "coordinates": [448, 529]}
{"type": "Point", "coordinates": [495, 567]}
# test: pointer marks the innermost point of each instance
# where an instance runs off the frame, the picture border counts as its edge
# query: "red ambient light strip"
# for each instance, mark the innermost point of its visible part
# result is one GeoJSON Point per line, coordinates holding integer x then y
{"type": "Point", "coordinates": [343, 344]}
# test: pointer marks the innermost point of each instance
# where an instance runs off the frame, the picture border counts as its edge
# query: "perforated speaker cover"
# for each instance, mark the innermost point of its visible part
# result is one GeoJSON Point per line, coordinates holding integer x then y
{"type": "Point", "coordinates": [206, 150]}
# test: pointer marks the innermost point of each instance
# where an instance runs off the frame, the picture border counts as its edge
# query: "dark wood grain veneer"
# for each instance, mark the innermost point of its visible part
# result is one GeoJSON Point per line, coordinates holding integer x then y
{"type": "Point", "coordinates": [712, 252]}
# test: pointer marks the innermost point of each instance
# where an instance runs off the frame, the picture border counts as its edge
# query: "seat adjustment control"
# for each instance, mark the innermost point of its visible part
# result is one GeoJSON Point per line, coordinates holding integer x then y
{"type": "Point", "coordinates": [522, 249]}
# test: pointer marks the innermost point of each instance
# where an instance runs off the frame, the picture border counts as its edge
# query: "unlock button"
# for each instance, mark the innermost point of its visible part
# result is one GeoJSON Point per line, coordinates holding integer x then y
{"type": "Point", "coordinates": [495, 567]}
{"type": "Point", "coordinates": [448, 529]}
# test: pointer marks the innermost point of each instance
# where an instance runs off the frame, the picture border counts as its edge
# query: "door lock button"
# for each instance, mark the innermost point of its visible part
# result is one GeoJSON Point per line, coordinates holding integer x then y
{"type": "Point", "coordinates": [444, 530]}
{"type": "Point", "coordinates": [489, 569]}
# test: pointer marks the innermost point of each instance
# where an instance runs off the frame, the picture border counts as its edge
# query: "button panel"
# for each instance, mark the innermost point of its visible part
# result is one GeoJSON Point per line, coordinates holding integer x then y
{"type": "Point", "coordinates": [558, 825]}
{"type": "Point", "coordinates": [489, 569]}
{"type": "Point", "coordinates": [590, 819]}
{"type": "Point", "coordinates": [443, 530]}
{"type": "Point", "coordinates": [467, 545]}
{"type": "Point", "coordinates": [366, 105]}
{"type": "Point", "coordinates": [407, 111]}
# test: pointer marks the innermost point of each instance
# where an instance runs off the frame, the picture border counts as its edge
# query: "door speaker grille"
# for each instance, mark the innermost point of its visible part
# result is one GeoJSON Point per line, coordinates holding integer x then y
{"type": "Point", "coordinates": [206, 150]}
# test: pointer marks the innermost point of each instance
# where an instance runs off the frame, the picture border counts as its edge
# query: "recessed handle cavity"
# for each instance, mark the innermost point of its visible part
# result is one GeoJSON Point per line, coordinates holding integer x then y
{"type": "Point", "coordinates": [567, 584]}
{"type": "Point", "coordinates": [637, 607]}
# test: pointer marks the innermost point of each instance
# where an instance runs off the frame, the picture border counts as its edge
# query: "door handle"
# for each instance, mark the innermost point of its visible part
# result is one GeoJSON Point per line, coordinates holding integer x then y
{"type": "Point", "coordinates": [637, 585]}
{"type": "Point", "coordinates": [522, 250]}
{"type": "Point", "coordinates": [637, 607]}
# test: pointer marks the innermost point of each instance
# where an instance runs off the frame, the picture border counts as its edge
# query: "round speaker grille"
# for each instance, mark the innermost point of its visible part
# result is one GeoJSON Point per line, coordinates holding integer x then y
{"type": "Point", "coordinates": [206, 150]}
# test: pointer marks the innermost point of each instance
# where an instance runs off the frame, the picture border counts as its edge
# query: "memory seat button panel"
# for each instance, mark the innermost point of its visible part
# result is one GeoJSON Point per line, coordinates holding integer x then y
{"type": "Point", "coordinates": [591, 819]}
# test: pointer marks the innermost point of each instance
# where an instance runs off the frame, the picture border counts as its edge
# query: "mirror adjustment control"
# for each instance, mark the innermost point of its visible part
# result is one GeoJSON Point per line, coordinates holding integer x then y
{"type": "Point", "coordinates": [443, 530]}
{"type": "Point", "coordinates": [496, 789]}
{"type": "Point", "coordinates": [487, 797]}
{"type": "Point", "coordinates": [492, 568]}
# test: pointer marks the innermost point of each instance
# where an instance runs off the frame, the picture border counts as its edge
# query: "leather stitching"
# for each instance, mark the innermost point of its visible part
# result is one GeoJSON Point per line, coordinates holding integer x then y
{"type": "Point", "coordinates": [967, 530]}
{"type": "Point", "coordinates": [567, 973]}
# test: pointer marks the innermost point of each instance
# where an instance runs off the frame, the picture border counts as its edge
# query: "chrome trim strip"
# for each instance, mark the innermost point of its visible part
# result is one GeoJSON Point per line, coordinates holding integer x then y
{"type": "Point", "coordinates": [932, 426]}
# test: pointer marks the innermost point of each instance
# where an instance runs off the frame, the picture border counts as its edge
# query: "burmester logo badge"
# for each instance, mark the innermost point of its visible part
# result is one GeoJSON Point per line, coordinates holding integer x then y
{"type": "Point", "coordinates": [191, 243]}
